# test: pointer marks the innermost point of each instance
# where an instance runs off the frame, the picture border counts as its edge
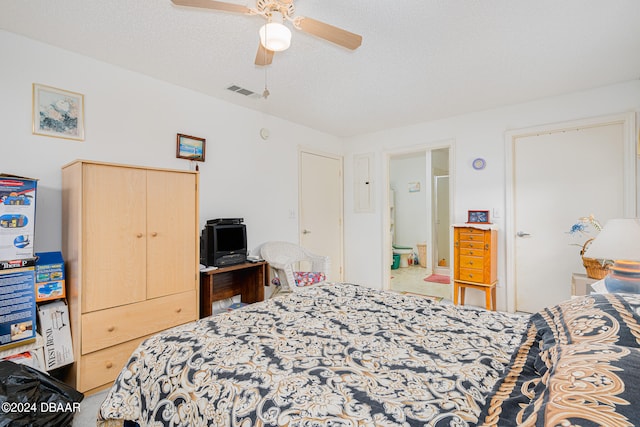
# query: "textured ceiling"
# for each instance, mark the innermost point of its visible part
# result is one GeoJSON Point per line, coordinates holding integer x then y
{"type": "Point", "coordinates": [420, 60]}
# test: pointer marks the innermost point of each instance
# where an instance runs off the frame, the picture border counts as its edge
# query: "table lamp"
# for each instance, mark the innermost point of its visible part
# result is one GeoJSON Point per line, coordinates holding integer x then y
{"type": "Point", "coordinates": [619, 241]}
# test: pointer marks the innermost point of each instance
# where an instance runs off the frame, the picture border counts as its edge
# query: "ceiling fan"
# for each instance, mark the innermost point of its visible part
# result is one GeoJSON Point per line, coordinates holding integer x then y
{"type": "Point", "coordinates": [274, 36]}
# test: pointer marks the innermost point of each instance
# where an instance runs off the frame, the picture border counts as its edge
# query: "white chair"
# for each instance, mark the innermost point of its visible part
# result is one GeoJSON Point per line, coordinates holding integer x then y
{"type": "Point", "coordinates": [289, 263]}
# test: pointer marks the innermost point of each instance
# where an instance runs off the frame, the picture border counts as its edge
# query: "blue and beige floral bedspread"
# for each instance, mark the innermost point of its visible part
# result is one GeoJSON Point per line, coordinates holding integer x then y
{"type": "Point", "coordinates": [333, 355]}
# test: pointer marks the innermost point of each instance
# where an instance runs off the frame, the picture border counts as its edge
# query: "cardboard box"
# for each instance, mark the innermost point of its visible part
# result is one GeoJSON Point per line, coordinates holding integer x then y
{"type": "Point", "coordinates": [17, 303]}
{"type": "Point", "coordinates": [50, 283]}
{"type": "Point", "coordinates": [53, 319]}
{"type": "Point", "coordinates": [28, 354]}
{"type": "Point", "coordinates": [17, 216]}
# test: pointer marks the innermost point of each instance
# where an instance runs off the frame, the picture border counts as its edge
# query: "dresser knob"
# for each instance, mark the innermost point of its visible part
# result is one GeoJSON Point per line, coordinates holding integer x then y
{"type": "Point", "coordinates": [154, 234]}
{"type": "Point", "coordinates": [179, 310]}
{"type": "Point", "coordinates": [139, 235]}
{"type": "Point", "coordinates": [109, 365]}
{"type": "Point", "coordinates": [111, 328]}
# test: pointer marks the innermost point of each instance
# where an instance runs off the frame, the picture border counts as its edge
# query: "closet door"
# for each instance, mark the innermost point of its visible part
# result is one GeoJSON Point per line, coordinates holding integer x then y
{"type": "Point", "coordinates": [172, 233]}
{"type": "Point", "coordinates": [114, 218]}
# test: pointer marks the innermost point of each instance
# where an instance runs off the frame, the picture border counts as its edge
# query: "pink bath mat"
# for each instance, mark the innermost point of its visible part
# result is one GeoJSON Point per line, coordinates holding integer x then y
{"type": "Point", "coordinates": [438, 278]}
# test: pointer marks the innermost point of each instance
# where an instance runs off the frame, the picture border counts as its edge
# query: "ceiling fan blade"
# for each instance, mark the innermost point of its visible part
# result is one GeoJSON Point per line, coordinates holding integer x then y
{"type": "Point", "coordinates": [212, 4]}
{"type": "Point", "coordinates": [264, 55]}
{"type": "Point", "coordinates": [329, 32]}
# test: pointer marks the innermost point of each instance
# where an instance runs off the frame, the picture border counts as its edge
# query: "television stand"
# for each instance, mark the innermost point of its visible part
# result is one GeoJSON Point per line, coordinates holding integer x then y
{"type": "Point", "coordinates": [247, 280]}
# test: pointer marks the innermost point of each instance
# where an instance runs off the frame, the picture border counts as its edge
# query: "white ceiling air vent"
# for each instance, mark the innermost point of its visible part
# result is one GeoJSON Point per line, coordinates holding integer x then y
{"type": "Point", "coordinates": [243, 91]}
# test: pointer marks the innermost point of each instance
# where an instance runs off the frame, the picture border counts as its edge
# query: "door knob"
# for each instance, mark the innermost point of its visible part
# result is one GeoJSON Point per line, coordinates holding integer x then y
{"type": "Point", "coordinates": [522, 234]}
{"type": "Point", "coordinates": [305, 231]}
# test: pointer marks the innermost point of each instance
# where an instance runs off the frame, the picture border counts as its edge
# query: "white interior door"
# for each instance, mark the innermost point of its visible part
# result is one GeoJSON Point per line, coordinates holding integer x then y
{"type": "Point", "coordinates": [558, 177]}
{"type": "Point", "coordinates": [321, 212]}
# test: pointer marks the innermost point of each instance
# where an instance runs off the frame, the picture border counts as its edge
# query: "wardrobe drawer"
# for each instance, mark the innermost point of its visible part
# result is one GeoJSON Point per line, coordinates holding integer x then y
{"type": "Point", "coordinates": [104, 328]}
{"type": "Point", "coordinates": [471, 275]}
{"type": "Point", "coordinates": [102, 367]}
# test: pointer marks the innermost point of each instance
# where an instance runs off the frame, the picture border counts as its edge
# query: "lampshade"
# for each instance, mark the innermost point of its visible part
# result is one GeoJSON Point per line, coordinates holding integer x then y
{"type": "Point", "coordinates": [618, 240]}
{"type": "Point", "coordinates": [275, 36]}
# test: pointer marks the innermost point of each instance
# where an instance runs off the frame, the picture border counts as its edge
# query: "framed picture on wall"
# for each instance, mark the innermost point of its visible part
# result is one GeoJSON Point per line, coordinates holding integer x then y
{"type": "Point", "coordinates": [478, 217]}
{"type": "Point", "coordinates": [190, 147]}
{"type": "Point", "coordinates": [57, 113]}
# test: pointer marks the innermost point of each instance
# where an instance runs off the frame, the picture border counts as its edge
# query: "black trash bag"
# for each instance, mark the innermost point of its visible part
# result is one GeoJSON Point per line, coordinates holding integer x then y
{"type": "Point", "coordinates": [29, 397]}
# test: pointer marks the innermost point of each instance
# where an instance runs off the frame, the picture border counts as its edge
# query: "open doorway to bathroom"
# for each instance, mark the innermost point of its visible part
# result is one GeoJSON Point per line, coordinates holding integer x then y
{"type": "Point", "coordinates": [419, 222]}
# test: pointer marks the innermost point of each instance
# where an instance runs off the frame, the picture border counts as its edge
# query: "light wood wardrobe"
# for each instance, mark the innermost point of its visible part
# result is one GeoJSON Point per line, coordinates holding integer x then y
{"type": "Point", "coordinates": [131, 247]}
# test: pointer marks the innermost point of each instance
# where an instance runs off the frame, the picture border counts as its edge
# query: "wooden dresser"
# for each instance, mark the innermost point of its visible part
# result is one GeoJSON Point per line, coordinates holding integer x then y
{"type": "Point", "coordinates": [475, 262]}
{"type": "Point", "coordinates": [130, 242]}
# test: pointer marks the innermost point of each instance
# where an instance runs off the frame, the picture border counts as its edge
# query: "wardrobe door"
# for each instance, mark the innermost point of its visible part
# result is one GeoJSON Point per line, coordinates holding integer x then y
{"type": "Point", "coordinates": [172, 233]}
{"type": "Point", "coordinates": [114, 230]}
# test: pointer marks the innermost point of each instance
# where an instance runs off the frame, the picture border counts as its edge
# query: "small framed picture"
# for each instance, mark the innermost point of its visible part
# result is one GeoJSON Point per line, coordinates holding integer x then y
{"type": "Point", "coordinates": [478, 217]}
{"type": "Point", "coordinates": [190, 147]}
{"type": "Point", "coordinates": [57, 113]}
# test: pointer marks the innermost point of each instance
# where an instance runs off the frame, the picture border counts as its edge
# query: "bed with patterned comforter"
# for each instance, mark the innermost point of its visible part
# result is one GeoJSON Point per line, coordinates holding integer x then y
{"type": "Point", "coordinates": [347, 355]}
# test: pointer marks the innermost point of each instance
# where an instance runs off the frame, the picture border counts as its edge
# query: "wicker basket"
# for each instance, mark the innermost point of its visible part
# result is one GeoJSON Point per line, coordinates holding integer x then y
{"type": "Point", "coordinates": [595, 269]}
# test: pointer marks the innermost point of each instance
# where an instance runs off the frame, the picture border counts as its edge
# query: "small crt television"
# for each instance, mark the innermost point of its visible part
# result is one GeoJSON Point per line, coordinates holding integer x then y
{"type": "Point", "coordinates": [223, 242]}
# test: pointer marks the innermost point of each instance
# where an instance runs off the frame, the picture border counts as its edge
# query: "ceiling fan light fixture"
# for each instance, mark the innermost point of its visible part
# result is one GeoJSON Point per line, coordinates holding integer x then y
{"type": "Point", "coordinates": [275, 36]}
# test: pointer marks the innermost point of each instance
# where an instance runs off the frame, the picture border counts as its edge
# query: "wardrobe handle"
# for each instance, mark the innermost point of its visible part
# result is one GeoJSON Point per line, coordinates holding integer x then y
{"type": "Point", "coordinates": [111, 328]}
{"type": "Point", "coordinates": [109, 365]}
{"type": "Point", "coordinates": [154, 234]}
{"type": "Point", "coordinates": [139, 235]}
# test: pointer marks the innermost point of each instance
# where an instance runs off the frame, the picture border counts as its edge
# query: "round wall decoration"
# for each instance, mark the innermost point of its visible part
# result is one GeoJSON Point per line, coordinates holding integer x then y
{"type": "Point", "coordinates": [479, 163]}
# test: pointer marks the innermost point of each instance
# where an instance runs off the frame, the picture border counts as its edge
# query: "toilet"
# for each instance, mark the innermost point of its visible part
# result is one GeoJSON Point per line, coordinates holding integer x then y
{"type": "Point", "coordinates": [404, 252]}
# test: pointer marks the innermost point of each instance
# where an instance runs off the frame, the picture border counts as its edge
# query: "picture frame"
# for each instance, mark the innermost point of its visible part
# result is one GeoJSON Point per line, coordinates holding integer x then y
{"type": "Point", "coordinates": [57, 113]}
{"type": "Point", "coordinates": [478, 217]}
{"type": "Point", "coordinates": [190, 147]}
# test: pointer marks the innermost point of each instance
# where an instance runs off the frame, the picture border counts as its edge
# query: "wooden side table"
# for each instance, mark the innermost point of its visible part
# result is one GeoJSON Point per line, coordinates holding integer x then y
{"type": "Point", "coordinates": [475, 262]}
{"type": "Point", "coordinates": [247, 280]}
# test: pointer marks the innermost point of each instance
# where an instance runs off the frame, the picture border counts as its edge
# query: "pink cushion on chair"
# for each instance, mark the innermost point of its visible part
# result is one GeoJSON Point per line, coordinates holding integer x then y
{"type": "Point", "coordinates": [306, 278]}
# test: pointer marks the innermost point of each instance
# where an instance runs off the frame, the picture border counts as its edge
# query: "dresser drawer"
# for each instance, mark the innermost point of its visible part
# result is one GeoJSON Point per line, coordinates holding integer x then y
{"type": "Point", "coordinates": [471, 275]}
{"type": "Point", "coordinates": [102, 367]}
{"type": "Point", "coordinates": [467, 244]}
{"type": "Point", "coordinates": [472, 252]}
{"type": "Point", "coordinates": [105, 328]}
{"type": "Point", "coordinates": [473, 262]}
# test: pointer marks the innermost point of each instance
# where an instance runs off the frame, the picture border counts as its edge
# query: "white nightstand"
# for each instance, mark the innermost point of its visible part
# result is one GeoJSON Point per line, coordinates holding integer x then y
{"type": "Point", "coordinates": [581, 284]}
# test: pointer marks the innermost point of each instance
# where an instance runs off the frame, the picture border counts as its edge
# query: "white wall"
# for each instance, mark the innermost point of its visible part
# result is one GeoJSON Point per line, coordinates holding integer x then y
{"type": "Point", "coordinates": [133, 119]}
{"type": "Point", "coordinates": [480, 134]}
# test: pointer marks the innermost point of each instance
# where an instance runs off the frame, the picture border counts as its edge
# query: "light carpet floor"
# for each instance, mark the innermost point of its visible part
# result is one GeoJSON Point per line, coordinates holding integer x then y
{"type": "Point", "coordinates": [89, 410]}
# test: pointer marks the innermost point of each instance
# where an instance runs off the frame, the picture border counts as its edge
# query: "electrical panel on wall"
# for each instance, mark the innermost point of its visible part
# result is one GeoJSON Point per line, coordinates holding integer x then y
{"type": "Point", "coordinates": [363, 183]}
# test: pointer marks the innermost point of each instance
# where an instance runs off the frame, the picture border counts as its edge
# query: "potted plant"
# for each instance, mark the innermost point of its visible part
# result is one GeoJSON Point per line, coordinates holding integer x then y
{"type": "Point", "coordinates": [587, 228]}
